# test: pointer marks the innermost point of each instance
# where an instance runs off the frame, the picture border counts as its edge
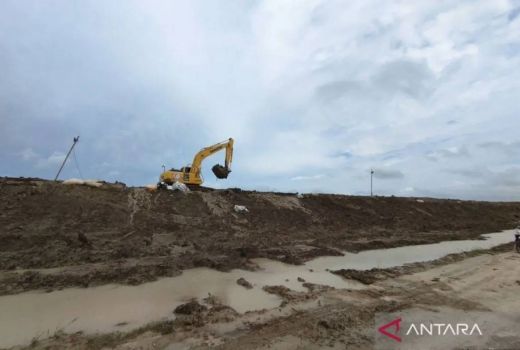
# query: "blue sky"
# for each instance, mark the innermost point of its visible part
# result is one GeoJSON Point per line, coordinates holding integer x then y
{"type": "Point", "coordinates": [315, 93]}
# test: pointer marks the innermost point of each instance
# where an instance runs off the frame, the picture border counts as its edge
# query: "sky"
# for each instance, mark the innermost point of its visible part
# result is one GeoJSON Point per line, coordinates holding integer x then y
{"type": "Point", "coordinates": [315, 93]}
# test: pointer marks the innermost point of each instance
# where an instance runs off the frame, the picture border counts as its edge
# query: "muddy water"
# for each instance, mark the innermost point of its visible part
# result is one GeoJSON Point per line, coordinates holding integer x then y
{"type": "Point", "coordinates": [114, 307]}
{"type": "Point", "coordinates": [403, 255]}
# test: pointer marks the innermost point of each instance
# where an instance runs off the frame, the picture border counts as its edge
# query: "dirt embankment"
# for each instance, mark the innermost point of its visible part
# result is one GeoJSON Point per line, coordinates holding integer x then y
{"type": "Point", "coordinates": [117, 234]}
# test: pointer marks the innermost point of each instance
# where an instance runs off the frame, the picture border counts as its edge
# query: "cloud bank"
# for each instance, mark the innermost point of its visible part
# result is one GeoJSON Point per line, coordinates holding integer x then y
{"type": "Point", "coordinates": [315, 93]}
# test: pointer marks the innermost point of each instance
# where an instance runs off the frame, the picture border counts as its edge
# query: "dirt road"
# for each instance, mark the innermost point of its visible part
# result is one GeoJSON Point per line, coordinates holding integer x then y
{"type": "Point", "coordinates": [85, 236]}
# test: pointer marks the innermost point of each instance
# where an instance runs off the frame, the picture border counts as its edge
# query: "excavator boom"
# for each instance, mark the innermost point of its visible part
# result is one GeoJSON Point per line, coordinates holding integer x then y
{"type": "Point", "coordinates": [222, 171]}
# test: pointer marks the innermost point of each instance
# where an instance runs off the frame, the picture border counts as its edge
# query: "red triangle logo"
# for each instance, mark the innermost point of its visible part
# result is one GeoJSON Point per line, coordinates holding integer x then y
{"type": "Point", "coordinates": [394, 324]}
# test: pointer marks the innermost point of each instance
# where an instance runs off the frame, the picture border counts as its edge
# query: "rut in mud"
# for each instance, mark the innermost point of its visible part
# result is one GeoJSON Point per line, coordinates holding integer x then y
{"type": "Point", "coordinates": [117, 234]}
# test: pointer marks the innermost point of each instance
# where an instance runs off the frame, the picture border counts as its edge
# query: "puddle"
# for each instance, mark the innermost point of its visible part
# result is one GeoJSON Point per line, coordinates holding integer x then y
{"type": "Point", "coordinates": [403, 255]}
{"type": "Point", "coordinates": [100, 309]}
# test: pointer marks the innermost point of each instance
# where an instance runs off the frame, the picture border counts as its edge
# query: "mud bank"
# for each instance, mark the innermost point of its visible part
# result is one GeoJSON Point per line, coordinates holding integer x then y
{"type": "Point", "coordinates": [91, 236]}
{"type": "Point", "coordinates": [112, 308]}
{"type": "Point", "coordinates": [483, 280]}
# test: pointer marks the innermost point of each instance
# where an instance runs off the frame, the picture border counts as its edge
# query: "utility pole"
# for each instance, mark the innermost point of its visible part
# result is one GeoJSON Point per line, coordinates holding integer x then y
{"type": "Point", "coordinates": [371, 181]}
{"type": "Point", "coordinates": [76, 139]}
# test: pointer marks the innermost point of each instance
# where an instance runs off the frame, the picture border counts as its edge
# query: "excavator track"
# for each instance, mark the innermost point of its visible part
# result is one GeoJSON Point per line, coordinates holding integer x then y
{"type": "Point", "coordinates": [199, 188]}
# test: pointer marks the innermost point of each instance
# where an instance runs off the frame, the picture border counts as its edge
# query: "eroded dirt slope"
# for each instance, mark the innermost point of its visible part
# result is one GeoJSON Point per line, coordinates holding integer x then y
{"type": "Point", "coordinates": [118, 234]}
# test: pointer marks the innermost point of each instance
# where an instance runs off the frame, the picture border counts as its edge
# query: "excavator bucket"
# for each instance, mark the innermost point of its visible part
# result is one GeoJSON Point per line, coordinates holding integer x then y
{"type": "Point", "coordinates": [220, 171]}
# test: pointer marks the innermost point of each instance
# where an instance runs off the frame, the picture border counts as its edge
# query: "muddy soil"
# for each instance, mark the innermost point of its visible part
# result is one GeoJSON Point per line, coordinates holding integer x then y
{"type": "Point", "coordinates": [55, 235]}
{"type": "Point", "coordinates": [485, 281]}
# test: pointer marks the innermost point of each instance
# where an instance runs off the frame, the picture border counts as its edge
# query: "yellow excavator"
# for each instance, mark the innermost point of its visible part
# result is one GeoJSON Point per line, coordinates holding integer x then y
{"type": "Point", "coordinates": [191, 175]}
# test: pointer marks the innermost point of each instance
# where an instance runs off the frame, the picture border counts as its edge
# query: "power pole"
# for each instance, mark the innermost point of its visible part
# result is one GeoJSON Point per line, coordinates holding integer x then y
{"type": "Point", "coordinates": [371, 182]}
{"type": "Point", "coordinates": [76, 139]}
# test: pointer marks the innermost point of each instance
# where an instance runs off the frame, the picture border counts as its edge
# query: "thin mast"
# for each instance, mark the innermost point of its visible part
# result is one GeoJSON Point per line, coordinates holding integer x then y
{"type": "Point", "coordinates": [76, 139]}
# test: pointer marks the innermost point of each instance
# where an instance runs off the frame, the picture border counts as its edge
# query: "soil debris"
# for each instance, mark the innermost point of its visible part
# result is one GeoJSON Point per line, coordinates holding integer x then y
{"type": "Point", "coordinates": [244, 283]}
{"type": "Point", "coordinates": [190, 308]}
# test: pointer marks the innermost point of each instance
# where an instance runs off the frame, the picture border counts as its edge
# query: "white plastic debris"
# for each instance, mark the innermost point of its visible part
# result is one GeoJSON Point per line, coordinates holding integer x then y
{"type": "Point", "coordinates": [73, 182]}
{"type": "Point", "coordinates": [299, 195]}
{"type": "Point", "coordinates": [240, 209]}
{"type": "Point", "coordinates": [178, 186]}
{"type": "Point", "coordinates": [91, 183]}
{"type": "Point", "coordinates": [420, 201]}
{"type": "Point", "coordinates": [151, 187]}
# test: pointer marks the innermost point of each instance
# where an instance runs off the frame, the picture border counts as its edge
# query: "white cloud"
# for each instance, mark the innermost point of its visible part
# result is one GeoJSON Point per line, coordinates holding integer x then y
{"type": "Point", "coordinates": [307, 177]}
{"type": "Point", "coordinates": [28, 154]}
{"type": "Point", "coordinates": [54, 160]}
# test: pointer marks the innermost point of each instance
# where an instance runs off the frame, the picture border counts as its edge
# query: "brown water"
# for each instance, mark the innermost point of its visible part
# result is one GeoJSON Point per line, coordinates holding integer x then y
{"type": "Point", "coordinates": [403, 255]}
{"type": "Point", "coordinates": [100, 309]}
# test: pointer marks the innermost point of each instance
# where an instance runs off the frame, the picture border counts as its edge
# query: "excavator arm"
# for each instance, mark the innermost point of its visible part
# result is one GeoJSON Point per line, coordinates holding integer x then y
{"type": "Point", "coordinates": [220, 171]}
